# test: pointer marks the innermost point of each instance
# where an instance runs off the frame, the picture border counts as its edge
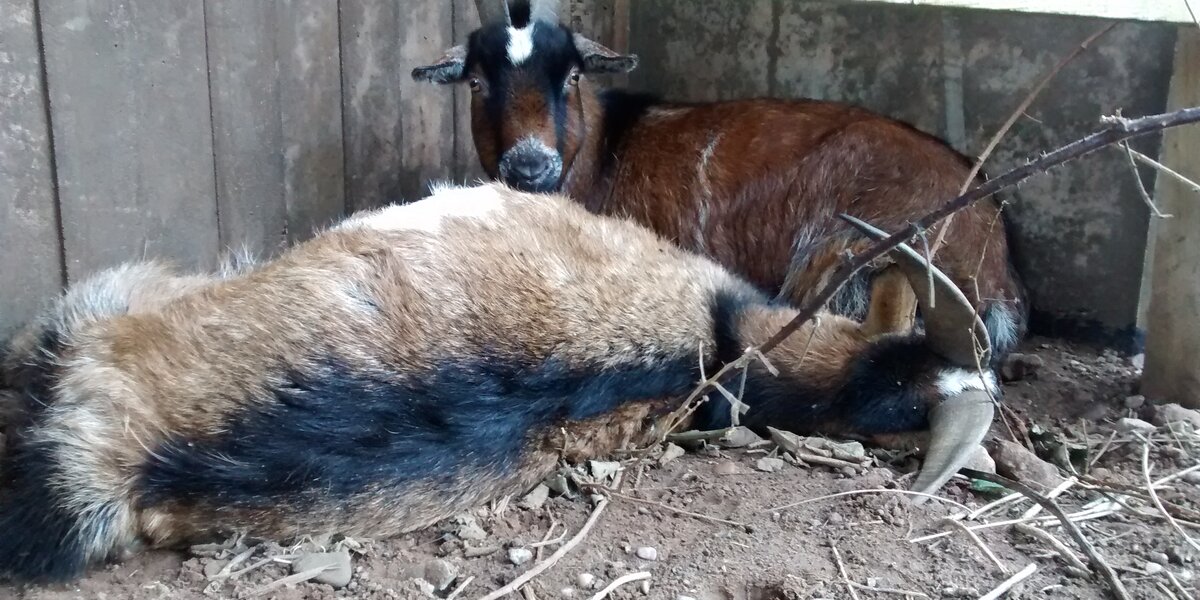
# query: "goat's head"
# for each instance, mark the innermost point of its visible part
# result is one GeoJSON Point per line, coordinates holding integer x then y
{"type": "Point", "coordinates": [525, 71]}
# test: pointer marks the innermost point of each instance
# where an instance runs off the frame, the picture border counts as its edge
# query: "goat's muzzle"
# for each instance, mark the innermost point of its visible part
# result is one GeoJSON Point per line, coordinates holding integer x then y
{"type": "Point", "coordinates": [531, 166]}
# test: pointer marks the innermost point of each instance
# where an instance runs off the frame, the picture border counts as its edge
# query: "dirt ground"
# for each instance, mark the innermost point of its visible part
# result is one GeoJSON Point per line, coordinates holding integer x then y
{"type": "Point", "coordinates": [1069, 406]}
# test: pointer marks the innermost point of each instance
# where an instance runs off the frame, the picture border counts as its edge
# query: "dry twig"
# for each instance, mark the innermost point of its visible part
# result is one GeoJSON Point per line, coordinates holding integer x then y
{"type": "Point", "coordinates": [842, 570]}
{"type": "Point", "coordinates": [1158, 503]}
{"type": "Point", "coordinates": [1141, 186]}
{"type": "Point", "coordinates": [533, 571]}
{"type": "Point", "coordinates": [462, 586]}
{"type": "Point", "coordinates": [1008, 584]}
{"type": "Point", "coordinates": [618, 582]}
{"type": "Point", "coordinates": [982, 546]}
{"type": "Point", "coordinates": [868, 491]}
{"type": "Point", "coordinates": [1066, 553]}
{"type": "Point", "coordinates": [678, 511]}
{"type": "Point", "coordinates": [885, 590]}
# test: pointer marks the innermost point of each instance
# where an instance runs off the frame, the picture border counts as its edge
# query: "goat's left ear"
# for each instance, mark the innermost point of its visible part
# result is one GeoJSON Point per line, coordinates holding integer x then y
{"type": "Point", "coordinates": [598, 59]}
{"type": "Point", "coordinates": [450, 68]}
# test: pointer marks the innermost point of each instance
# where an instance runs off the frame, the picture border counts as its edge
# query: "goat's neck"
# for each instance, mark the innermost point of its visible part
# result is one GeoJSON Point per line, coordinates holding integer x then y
{"type": "Point", "coordinates": [589, 180]}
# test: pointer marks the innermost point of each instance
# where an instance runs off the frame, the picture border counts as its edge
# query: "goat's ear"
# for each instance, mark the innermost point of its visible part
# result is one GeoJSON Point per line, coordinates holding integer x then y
{"type": "Point", "coordinates": [450, 68]}
{"type": "Point", "coordinates": [598, 59]}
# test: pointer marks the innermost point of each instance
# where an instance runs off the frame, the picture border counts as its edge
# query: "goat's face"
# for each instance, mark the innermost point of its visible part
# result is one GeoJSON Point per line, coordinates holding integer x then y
{"type": "Point", "coordinates": [527, 106]}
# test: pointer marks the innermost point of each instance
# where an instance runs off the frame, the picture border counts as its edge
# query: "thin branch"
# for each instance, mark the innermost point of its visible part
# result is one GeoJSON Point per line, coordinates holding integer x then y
{"type": "Point", "coordinates": [1164, 169]}
{"type": "Point", "coordinates": [870, 491]}
{"type": "Point", "coordinates": [842, 570]}
{"type": "Point", "coordinates": [1012, 119]}
{"type": "Point", "coordinates": [1097, 562]}
{"type": "Point", "coordinates": [982, 546]}
{"type": "Point", "coordinates": [678, 511]}
{"type": "Point", "coordinates": [459, 590]}
{"type": "Point", "coordinates": [1066, 553]}
{"type": "Point", "coordinates": [1114, 130]}
{"type": "Point", "coordinates": [1141, 186]}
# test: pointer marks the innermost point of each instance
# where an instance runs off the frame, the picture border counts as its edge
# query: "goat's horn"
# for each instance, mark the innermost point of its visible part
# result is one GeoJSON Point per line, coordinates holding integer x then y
{"type": "Point", "coordinates": [949, 318]}
{"type": "Point", "coordinates": [493, 11]}
{"type": "Point", "coordinates": [544, 10]}
{"type": "Point", "coordinates": [956, 427]}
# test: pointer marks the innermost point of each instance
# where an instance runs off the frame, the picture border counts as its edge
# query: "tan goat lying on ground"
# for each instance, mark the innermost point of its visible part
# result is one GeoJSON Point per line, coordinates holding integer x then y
{"type": "Point", "coordinates": [413, 362]}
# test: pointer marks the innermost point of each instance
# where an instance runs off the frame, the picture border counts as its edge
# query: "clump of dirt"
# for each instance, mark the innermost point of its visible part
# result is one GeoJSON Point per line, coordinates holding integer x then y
{"type": "Point", "coordinates": [720, 523]}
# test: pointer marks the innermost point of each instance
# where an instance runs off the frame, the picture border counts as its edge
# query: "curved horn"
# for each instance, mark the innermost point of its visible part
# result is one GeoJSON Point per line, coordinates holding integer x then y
{"type": "Point", "coordinates": [493, 11]}
{"type": "Point", "coordinates": [957, 426]}
{"type": "Point", "coordinates": [544, 10]}
{"type": "Point", "coordinates": [949, 317]}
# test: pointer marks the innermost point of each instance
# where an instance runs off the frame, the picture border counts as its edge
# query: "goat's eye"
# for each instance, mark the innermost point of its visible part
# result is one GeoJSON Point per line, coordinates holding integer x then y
{"type": "Point", "coordinates": [475, 85]}
{"type": "Point", "coordinates": [573, 79]}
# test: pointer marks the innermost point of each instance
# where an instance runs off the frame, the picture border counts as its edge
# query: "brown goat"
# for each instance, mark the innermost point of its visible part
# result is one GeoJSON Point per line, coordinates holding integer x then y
{"type": "Point", "coordinates": [417, 361]}
{"type": "Point", "coordinates": [756, 184]}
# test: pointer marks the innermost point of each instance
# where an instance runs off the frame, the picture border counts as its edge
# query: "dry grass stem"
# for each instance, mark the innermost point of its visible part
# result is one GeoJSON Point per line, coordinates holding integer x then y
{"type": "Point", "coordinates": [1066, 553]}
{"type": "Point", "coordinates": [868, 491]}
{"type": "Point", "coordinates": [459, 590]}
{"type": "Point", "coordinates": [837, 557]}
{"type": "Point", "coordinates": [994, 505]}
{"type": "Point", "coordinates": [618, 582]}
{"type": "Point", "coordinates": [1051, 495]}
{"type": "Point", "coordinates": [1008, 584]}
{"type": "Point", "coordinates": [1158, 503]}
{"type": "Point", "coordinates": [292, 579]}
{"type": "Point", "coordinates": [982, 546]}
{"type": "Point", "coordinates": [884, 590]}
{"type": "Point", "coordinates": [678, 511]}
{"type": "Point", "coordinates": [533, 571]}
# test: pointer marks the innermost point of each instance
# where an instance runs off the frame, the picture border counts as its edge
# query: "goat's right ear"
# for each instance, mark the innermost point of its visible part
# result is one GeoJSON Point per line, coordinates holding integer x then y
{"type": "Point", "coordinates": [599, 59]}
{"type": "Point", "coordinates": [450, 68]}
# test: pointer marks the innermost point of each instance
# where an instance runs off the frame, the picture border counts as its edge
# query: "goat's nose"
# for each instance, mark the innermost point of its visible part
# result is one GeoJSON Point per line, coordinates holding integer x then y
{"type": "Point", "coordinates": [530, 167]}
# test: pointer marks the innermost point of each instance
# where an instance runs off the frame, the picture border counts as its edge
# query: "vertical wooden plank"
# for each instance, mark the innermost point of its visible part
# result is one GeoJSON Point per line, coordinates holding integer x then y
{"type": "Point", "coordinates": [277, 121]}
{"type": "Point", "coordinates": [243, 73]}
{"type": "Point", "coordinates": [132, 131]}
{"type": "Point", "coordinates": [31, 262]}
{"type": "Point", "coordinates": [1173, 321]}
{"type": "Point", "coordinates": [466, 160]}
{"type": "Point", "coordinates": [399, 134]}
{"type": "Point", "coordinates": [310, 79]}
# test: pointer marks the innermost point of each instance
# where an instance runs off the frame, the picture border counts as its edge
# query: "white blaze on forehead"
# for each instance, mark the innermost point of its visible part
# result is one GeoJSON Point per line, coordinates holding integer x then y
{"type": "Point", "coordinates": [450, 202]}
{"type": "Point", "coordinates": [520, 43]}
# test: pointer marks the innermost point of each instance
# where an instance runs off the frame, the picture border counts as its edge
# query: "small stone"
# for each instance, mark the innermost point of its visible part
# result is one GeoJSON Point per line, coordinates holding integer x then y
{"type": "Point", "coordinates": [1158, 557]}
{"type": "Point", "coordinates": [1131, 425]}
{"type": "Point", "coordinates": [337, 567]}
{"type": "Point", "coordinates": [1015, 461]}
{"type": "Point", "coordinates": [1171, 413]}
{"type": "Point", "coordinates": [567, 592]}
{"type": "Point", "coordinates": [981, 461]}
{"type": "Point", "coordinates": [603, 470]}
{"type": "Point", "coordinates": [1017, 367]}
{"type": "Point", "coordinates": [647, 553]}
{"type": "Point", "coordinates": [1135, 401]}
{"type": "Point", "coordinates": [519, 556]}
{"type": "Point", "coordinates": [739, 437]}
{"type": "Point", "coordinates": [1179, 554]}
{"type": "Point", "coordinates": [836, 519]}
{"type": "Point", "coordinates": [1192, 478]}
{"type": "Point", "coordinates": [670, 453]}
{"type": "Point", "coordinates": [558, 483]}
{"type": "Point", "coordinates": [1153, 568]}
{"type": "Point", "coordinates": [645, 587]}
{"type": "Point", "coordinates": [726, 467]}
{"type": "Point", "coordinates": [440, 573]}
{"type": "Point", "coordinates": [585, 581]}
{"type": "Point", "coordinates": [467, 528]}
{"type": "Point", "coordinates": [424, 586]}
{"type": "Point", "coordinates": [213, 567]}
{"type": "Point", "coordinates": [535, 498]}
{"type": "Point", "coordinates": [682, 597]}
{"type": "Point", "coordinates": [775, 516]}
{"type": "Point", "coordinates": [769, 465]}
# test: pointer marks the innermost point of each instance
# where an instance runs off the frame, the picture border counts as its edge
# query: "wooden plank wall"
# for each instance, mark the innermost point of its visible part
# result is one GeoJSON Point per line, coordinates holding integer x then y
{"type": "Point", "coordinates": [180, 129]}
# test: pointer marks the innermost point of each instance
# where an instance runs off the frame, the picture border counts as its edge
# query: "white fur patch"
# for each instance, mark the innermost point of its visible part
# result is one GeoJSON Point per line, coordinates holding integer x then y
{"type": "Point", "coordinates": [427, 215]}
{"type": "Point", "coordinates": [952, 382]}
{"type": "Point", "coordinates": [520, 44]}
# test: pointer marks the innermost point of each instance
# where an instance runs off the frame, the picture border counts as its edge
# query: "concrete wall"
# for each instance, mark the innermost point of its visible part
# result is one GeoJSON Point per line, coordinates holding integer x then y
{"type": "Point", "coordinates": [1080, 231]}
